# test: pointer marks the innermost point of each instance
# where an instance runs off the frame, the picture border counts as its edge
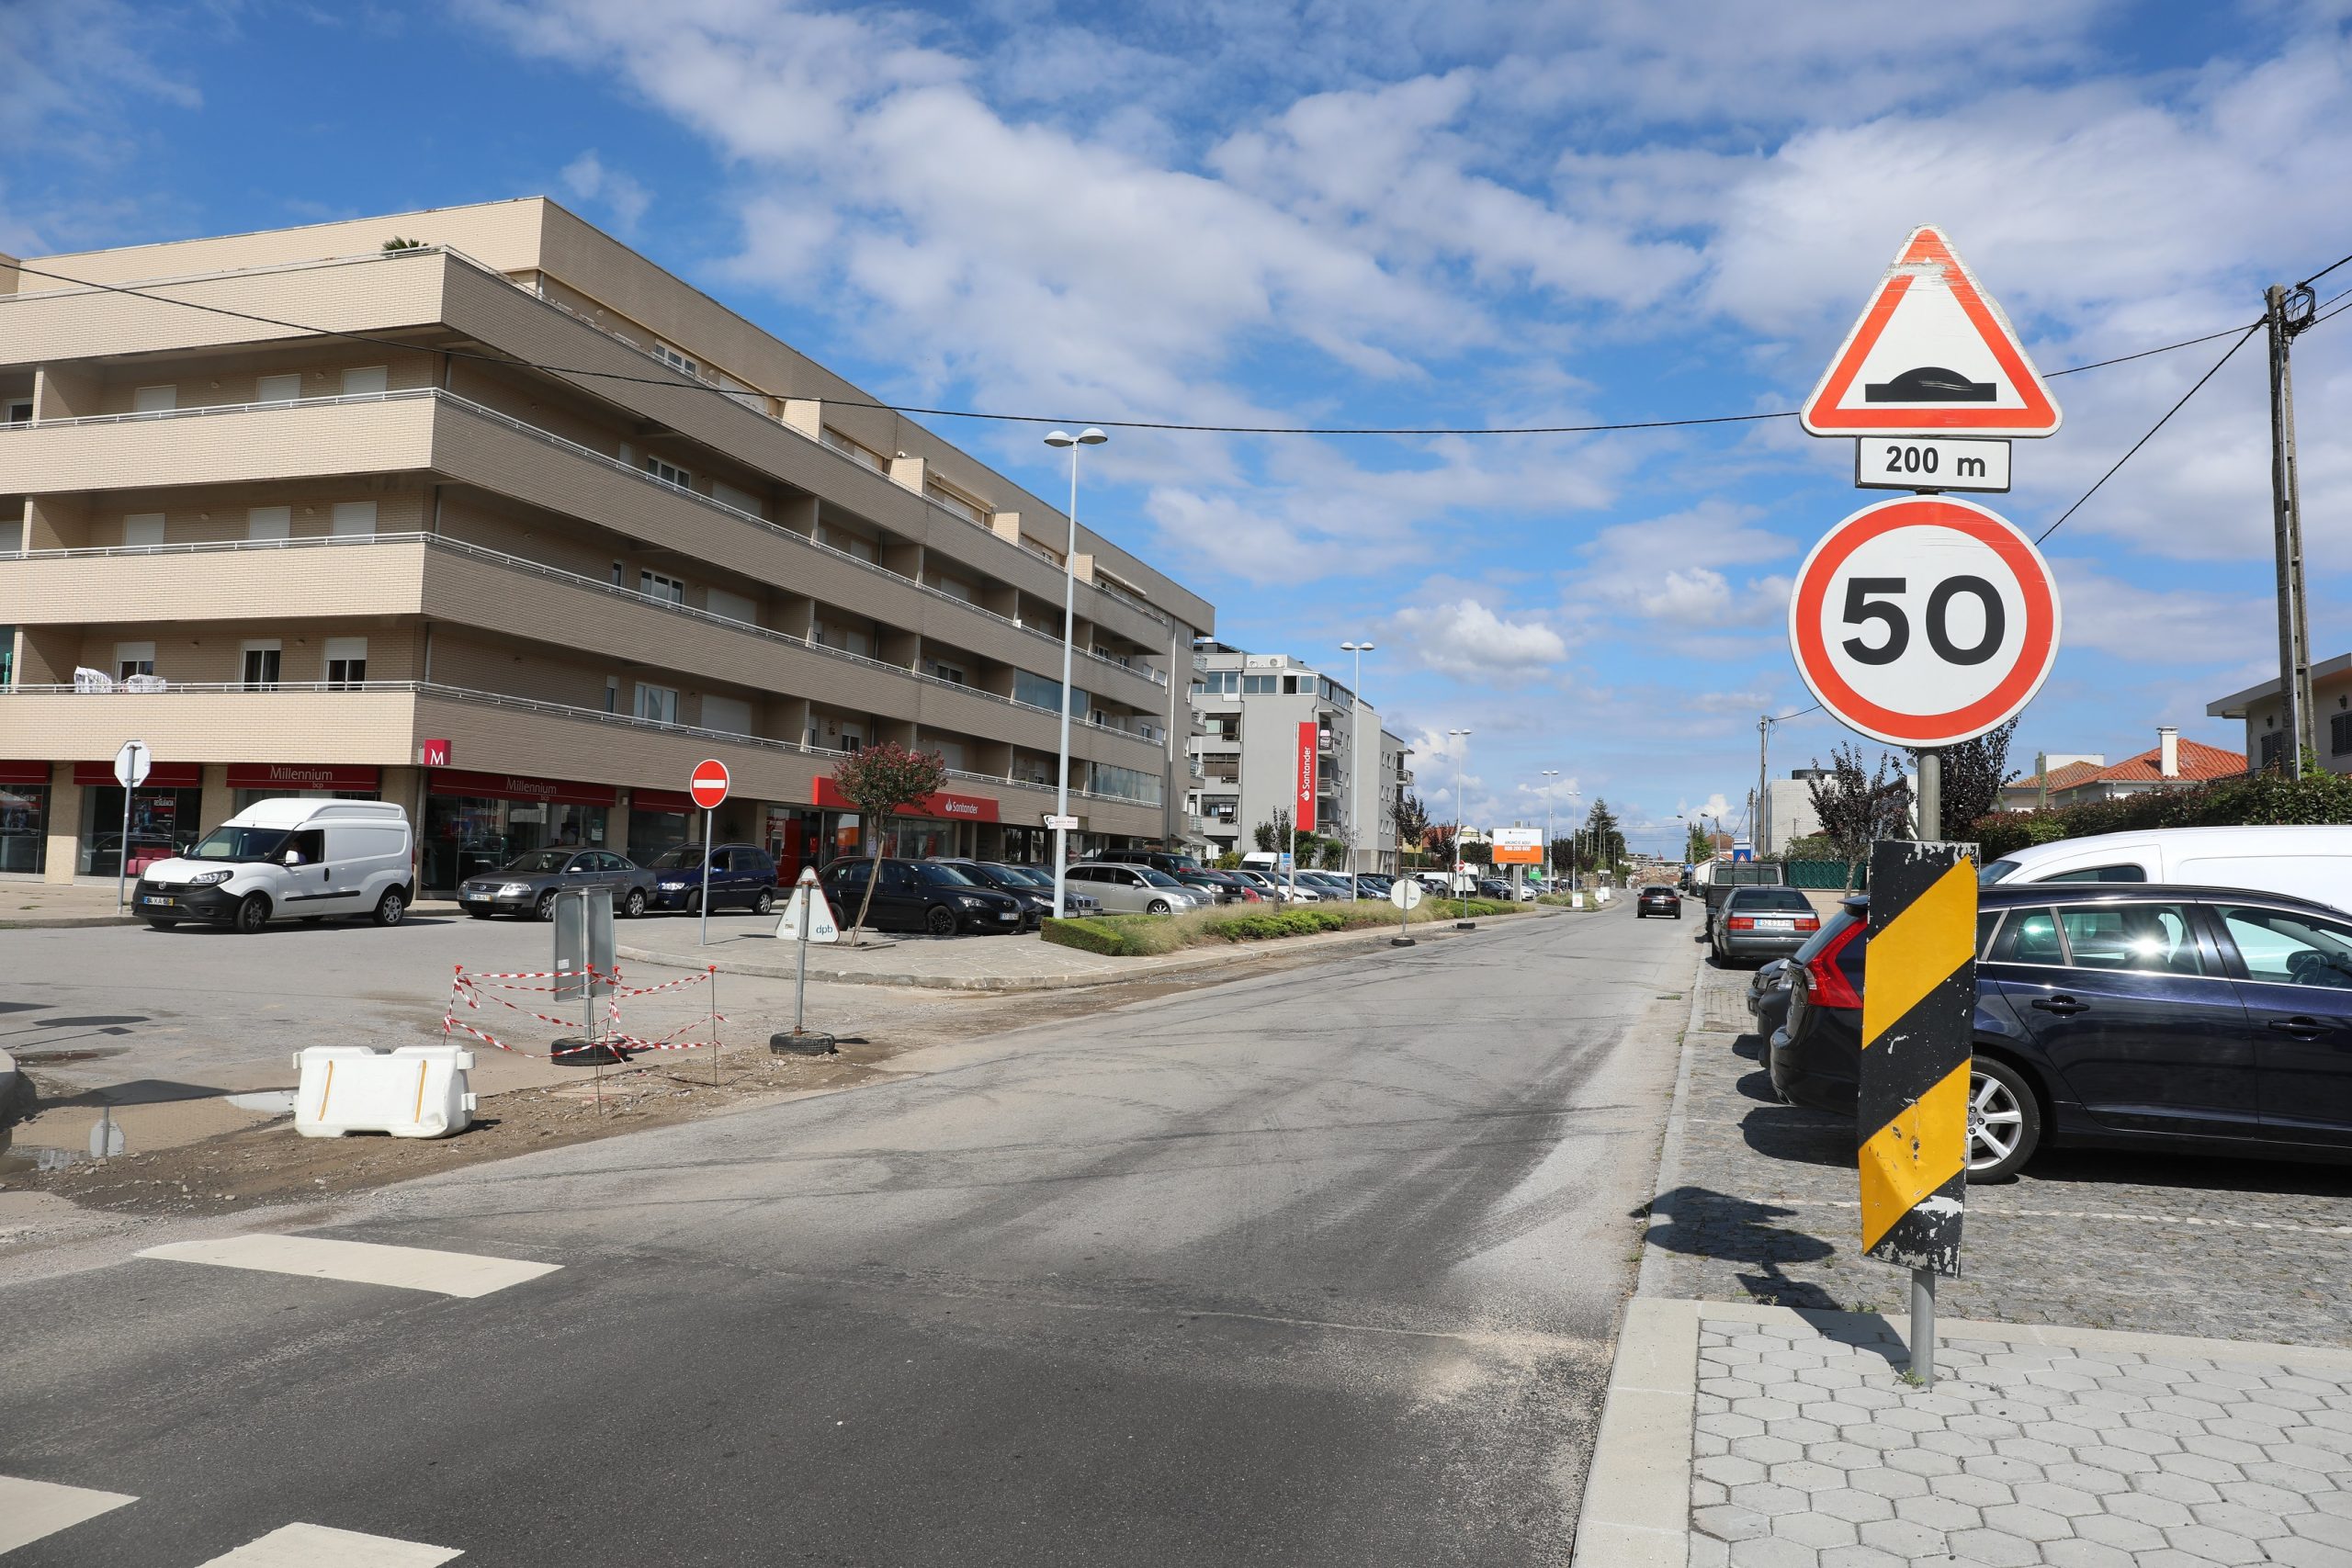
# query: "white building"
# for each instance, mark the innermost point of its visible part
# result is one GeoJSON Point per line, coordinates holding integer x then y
{"type": "Point", "coordinates": [1247, 709]}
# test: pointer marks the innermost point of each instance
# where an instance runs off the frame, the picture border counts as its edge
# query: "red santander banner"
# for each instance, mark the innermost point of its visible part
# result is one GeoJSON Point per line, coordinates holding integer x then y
{"type": "Point", "coordinates": [1305, 814]}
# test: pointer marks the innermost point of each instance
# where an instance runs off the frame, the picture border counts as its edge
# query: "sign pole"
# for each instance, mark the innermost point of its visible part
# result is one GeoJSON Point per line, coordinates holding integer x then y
{"type": "Point", "coordinates": [1931, 796]}
{"type": "Point", "coordinates": [704, 900]}
{"type": "Point", "coordinates": [800, 986]}
{"type": "Point", "coordinates": [122, 859]}
{"type": "Point", "coordinates": [1923, 1326]}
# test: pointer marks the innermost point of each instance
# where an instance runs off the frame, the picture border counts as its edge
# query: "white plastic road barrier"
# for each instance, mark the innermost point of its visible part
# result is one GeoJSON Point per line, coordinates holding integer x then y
{"type": "Point", "coordinates": [417, 1091]}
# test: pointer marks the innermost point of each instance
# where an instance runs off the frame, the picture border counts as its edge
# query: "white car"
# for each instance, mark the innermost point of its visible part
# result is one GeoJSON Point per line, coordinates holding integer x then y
{"type": "Point", "coordinates": [2302, 861]}
{"type": "Point", "coordinates": [289, 859]}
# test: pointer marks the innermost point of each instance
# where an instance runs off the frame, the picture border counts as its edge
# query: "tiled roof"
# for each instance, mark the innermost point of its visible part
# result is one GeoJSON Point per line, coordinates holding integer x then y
{"type": "Point", "coordinates": [2199, 762]}
{"type": "Point", "coordinates": [2067, 777]}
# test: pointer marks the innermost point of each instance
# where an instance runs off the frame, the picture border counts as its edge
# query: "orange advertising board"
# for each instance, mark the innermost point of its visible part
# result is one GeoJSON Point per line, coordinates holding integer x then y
{"type": "Point", "coordinates": [1519, 846]}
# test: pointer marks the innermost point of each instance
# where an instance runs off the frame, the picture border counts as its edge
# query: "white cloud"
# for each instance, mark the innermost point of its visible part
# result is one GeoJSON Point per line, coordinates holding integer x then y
{"type": "Point", "coordinates": [1464, 637]}
{"type": "Point", "coordinates": [618, 193]}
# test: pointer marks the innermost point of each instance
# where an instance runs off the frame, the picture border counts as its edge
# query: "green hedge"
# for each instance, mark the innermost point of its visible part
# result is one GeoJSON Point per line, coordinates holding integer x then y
{"type": "Point", "coordinates": [2263, 799]}
{"type": "Point", "coordinates": [1140, 936]}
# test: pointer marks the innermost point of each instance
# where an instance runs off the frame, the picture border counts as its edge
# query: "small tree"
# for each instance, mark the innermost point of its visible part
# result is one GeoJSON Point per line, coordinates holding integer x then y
{"type": "Point", "coordinates": [1411, 817]}
{"type": "Point", "coordinates": [882, 781]}
{"type": "Point", "coordinates": [1437, 840]}
{"type": "Point", "coordinates": [1857, 810]}
{"type": "Point", "coordinates": [1478, 852]}
{"type": "Point", "coordinates": [1697, 847]}
{"type": "Point", "coordinates": [1974, 771]}
{"type": "Point", "coordinates": [1273, 836]}
{"type": "Point", "coordinates": [1331, 852]}
{"type": "Point", "coordinates": [1608, 841]}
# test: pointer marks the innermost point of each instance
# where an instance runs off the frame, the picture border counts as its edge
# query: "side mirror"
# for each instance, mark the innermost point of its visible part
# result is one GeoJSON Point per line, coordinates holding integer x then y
{"type": "Point", "coordinates": [293, 857]}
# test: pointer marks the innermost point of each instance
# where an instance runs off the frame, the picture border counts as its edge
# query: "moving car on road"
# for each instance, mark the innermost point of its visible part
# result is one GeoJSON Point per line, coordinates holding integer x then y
{"type": "Point", "coordinates": [1762, 923]}
{"type": "Point", "coordinates": [743, 875]}
{"type": "Point", "coordinates": [926, 896]}
{"type": "Point", "coordinates": [286, 859]}
{"type": "Point", "coordinates": [526, 885]}
{"type": "Point", "coordinates": [2150, 1016]}
{"type": "Point", "coordinates": [1658, 899]}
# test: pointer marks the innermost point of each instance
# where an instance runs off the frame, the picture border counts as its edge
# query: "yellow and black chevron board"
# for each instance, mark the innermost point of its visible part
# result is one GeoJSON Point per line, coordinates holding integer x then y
{"type": "Point", "coordinates": [1918, 1004]}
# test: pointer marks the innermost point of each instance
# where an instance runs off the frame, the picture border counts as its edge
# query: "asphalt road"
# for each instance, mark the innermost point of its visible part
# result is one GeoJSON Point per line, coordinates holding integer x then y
{"type": "Point", "coordinates": [1316, 1268]}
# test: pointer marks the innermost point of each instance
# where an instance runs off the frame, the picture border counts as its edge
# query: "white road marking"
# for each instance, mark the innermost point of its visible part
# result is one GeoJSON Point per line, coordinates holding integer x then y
{"type": "Point", "coordinates": [31, 1510]}
{"type": "Point", "coordinates": [359, 1262]}
{"type": "Point", "coordinates": [2217, 1224]}
{"type": "Point", "coordinates": [316, 1546]}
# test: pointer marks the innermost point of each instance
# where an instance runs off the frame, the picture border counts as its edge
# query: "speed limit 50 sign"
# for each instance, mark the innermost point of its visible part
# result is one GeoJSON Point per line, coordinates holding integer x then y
{"type": "Point", "coordinates": [1924, 622]}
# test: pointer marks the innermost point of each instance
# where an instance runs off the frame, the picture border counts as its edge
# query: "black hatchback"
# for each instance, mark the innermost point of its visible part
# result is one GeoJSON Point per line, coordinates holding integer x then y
{"type": "Point", "coordinates": [919, 896]}
{"type": "Point", "coordinates": [2117, 1016]}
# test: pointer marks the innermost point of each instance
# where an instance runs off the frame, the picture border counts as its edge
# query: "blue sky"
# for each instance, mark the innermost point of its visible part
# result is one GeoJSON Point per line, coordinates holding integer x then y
{"type": "Point", "coordinates": [1445, 212]}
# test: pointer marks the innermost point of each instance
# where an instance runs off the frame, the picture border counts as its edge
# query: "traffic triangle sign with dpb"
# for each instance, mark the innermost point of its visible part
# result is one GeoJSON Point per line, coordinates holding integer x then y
{"type": "Point", "coordinates": [1932, 355]}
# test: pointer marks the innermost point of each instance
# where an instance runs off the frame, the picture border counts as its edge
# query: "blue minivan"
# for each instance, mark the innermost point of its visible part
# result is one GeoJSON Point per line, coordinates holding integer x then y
{"type": "Point", "coordinates": [742, 877]}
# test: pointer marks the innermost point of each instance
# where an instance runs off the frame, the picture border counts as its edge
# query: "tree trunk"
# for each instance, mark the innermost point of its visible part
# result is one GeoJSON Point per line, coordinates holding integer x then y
{"type": "Point", "coordinates": [857, 927]}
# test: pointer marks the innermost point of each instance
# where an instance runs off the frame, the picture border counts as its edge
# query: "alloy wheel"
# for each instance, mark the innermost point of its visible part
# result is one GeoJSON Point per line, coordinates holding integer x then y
{"type": "Point", "coordinates": [1996, 1121]}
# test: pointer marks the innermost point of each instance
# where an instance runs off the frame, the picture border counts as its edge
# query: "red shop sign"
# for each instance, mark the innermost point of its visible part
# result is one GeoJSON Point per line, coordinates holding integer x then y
{"type": "Point", "coordinates": [24, 772]}
{"type": "Point", "coordinates": [659, 800]}
{"type": "Point", "coordinates": [163, 775]}
{"type": "Point", "coordinates": [944, 807]}
{"type": "Point", "coordinates": [516, 786]}
{"type": "Point", "coordinates": [302, 775]}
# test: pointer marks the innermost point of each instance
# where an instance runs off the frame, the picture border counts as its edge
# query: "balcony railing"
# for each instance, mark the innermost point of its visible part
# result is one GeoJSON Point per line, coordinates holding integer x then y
{"type": "Point", "coordinates": [515, 705]}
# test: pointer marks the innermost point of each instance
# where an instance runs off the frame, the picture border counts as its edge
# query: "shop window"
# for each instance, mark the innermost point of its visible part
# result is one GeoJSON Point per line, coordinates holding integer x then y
{"type": "Point", "coordinates": [155, 399]}
{"type": "Point", "coordinates": [353, 518]}
{"type": "Point", "coordinates": [653, 585]}
{"type": "Point", "coordinates": [133, 659]}
{"type": "Point", "coordinates": [262, 661]}
{"type": "Point", "coordinates": [278, 388]}
{"type": "Point", "coordinates": [142, 529]}
{"type": "Point", "coordinates": [367, 382]}
{"type": "Point", "coordinates": [23, 827]}
{"type": "Point", "coordinates": [659, 703]}
{"type": "Point", "coordinates": [269, 522]}
{"type": "Point", "coordinates": [346, 662]}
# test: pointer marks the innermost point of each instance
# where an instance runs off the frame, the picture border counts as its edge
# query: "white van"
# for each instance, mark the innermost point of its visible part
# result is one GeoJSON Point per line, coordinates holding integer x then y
{"type": "Point", "coordinates": [287, 860]}
{"type": "Point", "coordinates": [2304, 862]}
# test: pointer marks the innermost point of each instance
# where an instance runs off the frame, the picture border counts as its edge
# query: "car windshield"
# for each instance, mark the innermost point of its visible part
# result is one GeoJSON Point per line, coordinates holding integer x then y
{"type": "Point", "coordinates": [1998, 870]}
{"type": "Point", "coordinates": [941, 875]}
{"type": "Point", "coordinates": [238, 843]}
{"type": "Point", "coordinates": [1025, 876]}
{"type": "Point", "coordinates": [1158, 878]}
{"type": "Point", "coordinates": [1749, 900]}
{"type": "Point", "coordinates": [539, 861]}
{"type": "Point", "coordinates": [678, 857]}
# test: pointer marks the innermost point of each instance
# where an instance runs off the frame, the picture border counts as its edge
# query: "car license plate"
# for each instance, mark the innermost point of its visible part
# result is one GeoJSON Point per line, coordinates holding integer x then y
{"type": "Point", "coordinates": [1007, 915]}
{"type": "Point", "coordinates": [476, 897]}
{"type": "Point", "coordinates": [1776, 925]}
{"type": "Point", "coordinates": [151, 898]}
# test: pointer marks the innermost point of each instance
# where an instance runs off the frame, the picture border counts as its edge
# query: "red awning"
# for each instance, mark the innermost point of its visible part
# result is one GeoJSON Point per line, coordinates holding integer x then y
{"type": "Point", "coordinates": [942, 806]}
{"type": "Point", "coordinates": [660, 800]}
{"type": "Point", "coordinates": [514, 786]}
{"type": "Point", "coordinates": [302, 775]}
{"type": "Point", "coordinates": [160, 775]}
{"type": "Point", "coordinates": [24, 772]}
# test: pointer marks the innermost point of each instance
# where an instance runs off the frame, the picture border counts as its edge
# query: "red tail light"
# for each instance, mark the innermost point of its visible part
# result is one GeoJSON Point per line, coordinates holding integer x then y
{"type": "Point", "coordinates": [1250, 896]}
{"type": "Point", "coordinates": [1808, 922]}
{"type": "Point", "coordinates": [1830, 986]}
{"type": "Point", "coordinates": [1740, 924]}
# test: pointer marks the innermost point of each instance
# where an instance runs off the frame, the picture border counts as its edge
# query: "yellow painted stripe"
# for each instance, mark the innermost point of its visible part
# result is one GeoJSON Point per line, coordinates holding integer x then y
{"type": "Point", "coordinates": [1919, 949]}
{"type": "Point", "coordinates": [421, 1070]}
{"type": "Point", "coordinates": [326, 1090]}
{"type": "Point", "coordinates": [1925, 1146]}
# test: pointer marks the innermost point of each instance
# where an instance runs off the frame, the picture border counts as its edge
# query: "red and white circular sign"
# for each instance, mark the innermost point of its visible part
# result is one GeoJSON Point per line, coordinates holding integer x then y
{"type": "Point", "coordinates": [709, 786]}
{"type": "Point", "coordinates": [1924, 620]}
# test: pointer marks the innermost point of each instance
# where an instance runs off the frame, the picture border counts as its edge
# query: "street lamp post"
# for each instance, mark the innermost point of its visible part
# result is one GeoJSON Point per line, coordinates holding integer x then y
{"type": "Point", "coordinates": [1453, 872]}
{"type": "Point", "coordinates": [1087, 437]}
{"type": "Point", "coordinates": [1549, 774]}
{"type": "Point", "coordinates": [1356, 753]}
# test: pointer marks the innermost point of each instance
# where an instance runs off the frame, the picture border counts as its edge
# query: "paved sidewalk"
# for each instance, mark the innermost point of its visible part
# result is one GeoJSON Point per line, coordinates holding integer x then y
{"type": "Point", "coordinates": [1023, 962]}
{"type": "Point", "coordinates": [27, 903]}
{"type": "Point", "coordinates": [1756, 1437]}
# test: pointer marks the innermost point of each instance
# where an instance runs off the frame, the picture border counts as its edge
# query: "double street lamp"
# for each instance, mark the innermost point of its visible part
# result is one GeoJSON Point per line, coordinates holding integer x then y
{"type": "Point", "coordinates": [1549, 774]}
{"type": "Point", "coordinates": [1355, 752]}
{"type": "Point", "coordinates": [1454, 873]}
{"type": "Point", "coordinates": [1089, 436]}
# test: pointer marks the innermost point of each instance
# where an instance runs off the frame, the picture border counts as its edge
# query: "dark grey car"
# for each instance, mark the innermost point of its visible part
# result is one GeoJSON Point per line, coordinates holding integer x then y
{"type": "Point", "coordinates": [1758, 923]}
{"type": "Point", "coordinates": [527, 884]}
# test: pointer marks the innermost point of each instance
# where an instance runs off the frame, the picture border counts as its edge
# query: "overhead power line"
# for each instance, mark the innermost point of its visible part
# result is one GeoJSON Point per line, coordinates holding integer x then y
{"type": "Point", "coordinates": [681, 378]}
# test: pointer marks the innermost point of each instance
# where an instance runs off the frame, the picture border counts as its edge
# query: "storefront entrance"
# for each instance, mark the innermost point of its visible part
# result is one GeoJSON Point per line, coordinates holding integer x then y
{"type": "Point", "coordinates": [24, 816]}
{"type": "Point", "coordinates": [477, 822]}
{"type": "Point", "coordinates": [165, 815]}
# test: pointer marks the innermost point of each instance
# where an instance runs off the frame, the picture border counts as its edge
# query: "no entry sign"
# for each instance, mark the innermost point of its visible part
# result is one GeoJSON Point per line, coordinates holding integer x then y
{"type": "Point", "coordinates": [709, 786]}
{"type": "Point", "coordinates": [1924, 622]}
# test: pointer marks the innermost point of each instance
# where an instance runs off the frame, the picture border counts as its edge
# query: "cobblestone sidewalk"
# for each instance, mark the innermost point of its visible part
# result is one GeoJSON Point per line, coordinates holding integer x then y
{"type": "Point", "coordinates": [1797, 1442]}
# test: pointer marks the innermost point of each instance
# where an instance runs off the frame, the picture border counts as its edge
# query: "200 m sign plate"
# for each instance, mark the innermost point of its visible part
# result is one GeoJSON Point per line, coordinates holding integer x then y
{"type": "Point", "coordinates": [1915, 462]}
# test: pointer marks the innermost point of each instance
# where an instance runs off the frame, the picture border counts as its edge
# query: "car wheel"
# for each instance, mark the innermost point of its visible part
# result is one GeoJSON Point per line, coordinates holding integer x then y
{"type": "Point", "coordinates": [633, 906]}
{"type": "Point", "coordinates": [253, 914]}
{"type": "Point", "coordinates": [939, 920]}
{"type": "Point", "coordinates": [545, 908]}
{"type": "Point", "coordinates": [764, 903]}
{"type": "Point", "coordinates": [2003, 1121]}
{"type": "Point", "coordinates": [392, 907]}
{"type": "Point", "coordinates": [163, 925]}
{"type": "Point", "coordinates": [477, 914]}
{"type": "Point", "coordinates": [694, 903]}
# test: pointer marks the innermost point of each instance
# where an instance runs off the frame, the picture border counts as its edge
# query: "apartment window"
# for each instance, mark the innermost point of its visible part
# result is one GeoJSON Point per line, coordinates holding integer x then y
{"type": "Point", "coordinates": [366, 382]}
{"type": "Point", "coordinates": [848, 544]}
{"type": "Point", "coordinates": [354, 518]}
{"type": "Point", "coordinates": [346, 662]}
{"type": "Point", "coordinates": [1260, 685]}
{"type": "Point", "coordinates": [947, 672]}
{"type": "Point", "coordinates": [669, 473]}
{"type": "Point", "coordinates": [731, 715]}
{"type": "Point", "coordinates": [963, 506]}
{"type": "Point", "coordinates": [133, 659]}
{"type": "Point", "coordinates": [848, 448]}
{"type": "Point", "coordinates": [2340, 733]}
{"type": "Point", "coordinates": [278, 388]}
{"type": "Point", "coordinates": [950, 752]}
{"type": "Point", "coordinates": [740, 499]}
{"type": "Point", "coordinates": [269, 522]}
{"type": "Point", "coordinates": [620, 575]}
{"type": "Point", "coordinates": [657, 702]}
{"type": "Point", "coordinates": [955, 589]}
{"type": "Point", "coordinates": [155, 399]}
{"type": "Point", "coordinates": [733, 606]}
{"type": "Point", "coordinates": [7, 657]}
{"type": "Point", "coordinates": [653, 585]}
{"type": "Point", "coordinates": [2272, 745]}
{"type": "Point", "coordinates": [261, 660]}
{"type": "Point", "coordinates": [613, 689]}
{"type": "Point", "coordinates": [142, 528]}
{"type": "Point", "coordinates": [1290, 685]}
{"type": "Point", "coordinates": [20, 411]}
{"type": "Point", "coordinates": [675, 360]}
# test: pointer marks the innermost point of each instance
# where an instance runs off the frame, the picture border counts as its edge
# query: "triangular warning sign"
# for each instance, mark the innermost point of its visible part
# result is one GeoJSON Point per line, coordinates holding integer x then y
{"type": "Point", "coordinates": [807, 900]}
{"type": "Point", "coordinates": [1931, 355]}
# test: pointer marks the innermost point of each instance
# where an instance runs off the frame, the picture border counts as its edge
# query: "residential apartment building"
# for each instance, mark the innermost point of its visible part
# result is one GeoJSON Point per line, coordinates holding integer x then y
{"type": "Point", "coordinates": [1788, 812]}
{"type": "Point", "coordinates": [2263, 712]}
{"type": "Point", "coordinates": [1246, 709]}
{"type": "Point", "coordinates": [511, 527]}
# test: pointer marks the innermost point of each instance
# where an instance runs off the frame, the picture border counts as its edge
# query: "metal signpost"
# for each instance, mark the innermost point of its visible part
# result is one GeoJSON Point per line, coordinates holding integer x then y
{"type": "Point", "coordinates": [132, 765]}
{"type": "Point", "coordinates": [1406, 894]}
{"type": "Point", "coordinates": [1924, 622]}
{"type": "Point", "coordinates": [807, 918]}
{"type": "Point", "coordinates": [709, 787]}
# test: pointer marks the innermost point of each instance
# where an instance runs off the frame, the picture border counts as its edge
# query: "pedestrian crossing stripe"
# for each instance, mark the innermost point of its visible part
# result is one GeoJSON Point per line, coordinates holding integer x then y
{"type": "Point", "coordinates": [1918, 1007]}
{"type": "Point", "coordinates": [358, 1262]}
{"type": "Point", "coordinates": [33, 1509]}
{"type": "Point", "coordinates": [317, 1546]}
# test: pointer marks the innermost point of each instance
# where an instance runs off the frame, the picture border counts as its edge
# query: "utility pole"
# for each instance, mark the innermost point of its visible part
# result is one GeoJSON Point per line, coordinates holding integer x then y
{"type": "Point", "coordinates": [1763, 788]}
{"type": "Point", "coordinates": [2289, 312]}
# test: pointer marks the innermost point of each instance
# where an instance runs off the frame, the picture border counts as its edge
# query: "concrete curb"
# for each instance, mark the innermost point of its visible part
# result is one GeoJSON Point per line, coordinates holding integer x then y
{"type": "Point", "coordinates": [1670, 1149]}
{"type": "Point", "coordinates": [1145, 968]}
{"type": "Point", "coordinates": [61, 922]}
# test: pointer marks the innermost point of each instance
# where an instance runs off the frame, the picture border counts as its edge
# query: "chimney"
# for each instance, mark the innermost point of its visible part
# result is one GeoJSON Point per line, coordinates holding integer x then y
{"type": "Point", "coordinates": [2168, 751]}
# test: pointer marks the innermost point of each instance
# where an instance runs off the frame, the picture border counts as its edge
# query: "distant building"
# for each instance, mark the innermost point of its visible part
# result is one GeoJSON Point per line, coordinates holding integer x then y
{"type": "Point", "coordinates": [2170, 764]}
{"type": "Point", "coordinates": [2260, 708]}
{"type": "Point", "coordinates": [2054, 771]}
